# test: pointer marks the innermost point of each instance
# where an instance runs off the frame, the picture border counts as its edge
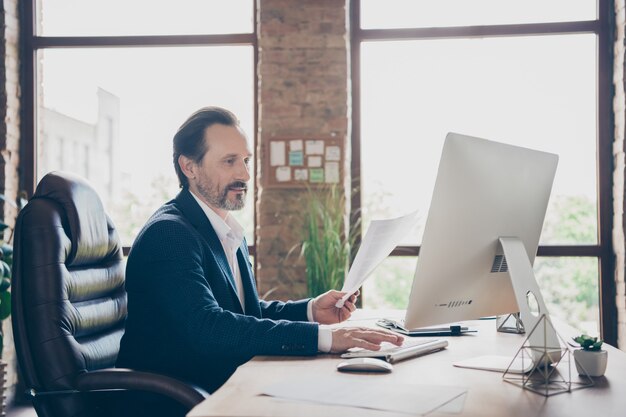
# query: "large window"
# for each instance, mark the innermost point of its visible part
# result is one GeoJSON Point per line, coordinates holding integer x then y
{"type": "Point", "coordinates": [534, 74]}
{"type": "Point", "coordinates": [111, 81]}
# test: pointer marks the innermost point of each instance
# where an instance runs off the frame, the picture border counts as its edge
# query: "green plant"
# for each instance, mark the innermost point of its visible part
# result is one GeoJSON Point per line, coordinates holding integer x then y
{"type": "Point", "coordinates": [6, 261]}
{"type": "Point", "coordinates": [589, 343]}
{"type": "Point", "coordinates": [6, 264]}
{"type": "Point", "coordinates": [327, 240]}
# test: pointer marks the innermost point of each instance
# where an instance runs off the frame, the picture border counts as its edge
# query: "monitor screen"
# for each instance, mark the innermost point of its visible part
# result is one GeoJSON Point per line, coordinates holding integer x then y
{"type": "Point", "coordinates": [484, 191]}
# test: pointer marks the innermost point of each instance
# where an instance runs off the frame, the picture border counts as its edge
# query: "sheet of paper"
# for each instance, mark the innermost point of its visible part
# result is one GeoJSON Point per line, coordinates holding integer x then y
{"type": "Point", "coordinates": [316, 174]}
{"type": "Point", "coordinates": [314, 147]}
{"type": "Point", "coordinates": [365, 393]}
{"type": "Point", "coordinates": [381, 238]}
{"type": "Point", "coordinates": [283, 174]}
{"type": "Point", "coordinates": [295, 145]}
{"type": "Point", "coordinates": [315, 161]}
{"type": "Point", "coordinates": [296, 158]}
{"type": "Point", "coordinates": [333, 153]}
{"type": "Point", "coordinates": [277, 153]}
{"type": "Point", "coordinates": [301, 174]}
{"type": "Point", "coordinates": [332, 172]}
{"type": "Point", "coordinates": [455, 406]}
{"type": "Point", "coordinates": [497, 363]}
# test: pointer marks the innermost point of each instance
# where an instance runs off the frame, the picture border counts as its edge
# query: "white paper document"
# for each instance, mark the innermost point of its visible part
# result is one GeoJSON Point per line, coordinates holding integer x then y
{"type": "Point", "coordinates": [381, 238]}
{"type": "Point", "coordinates": [314, 147]}
{"type": "Point", "coordinates": [277, 153]}
{"type": "Point", "coordinates": [397, 397]}
{"type": "Point", "coordinates": [497, 364]}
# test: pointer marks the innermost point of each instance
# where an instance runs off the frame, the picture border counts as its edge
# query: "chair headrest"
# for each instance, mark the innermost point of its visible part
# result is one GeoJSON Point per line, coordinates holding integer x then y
{"type": "Point", "coordinates": [88, 222]}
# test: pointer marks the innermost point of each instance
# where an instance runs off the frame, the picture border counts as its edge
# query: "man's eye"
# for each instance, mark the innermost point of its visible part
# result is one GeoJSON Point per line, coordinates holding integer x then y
{"type": "Point", "coordinates": [230, 161]}
{"type": "Point", "coordinates": [247, 161]}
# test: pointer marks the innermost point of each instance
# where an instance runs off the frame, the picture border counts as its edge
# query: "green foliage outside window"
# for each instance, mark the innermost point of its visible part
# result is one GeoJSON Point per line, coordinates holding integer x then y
{"type": "Point", "coordinates": [569, 285]}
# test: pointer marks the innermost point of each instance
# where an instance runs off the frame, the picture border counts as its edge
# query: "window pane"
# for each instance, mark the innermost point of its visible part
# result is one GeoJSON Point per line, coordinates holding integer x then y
{"type": "Point", "coordinates": [389, 285]}
{"type": "Point", "coordinates": [569, 287]}
{"type": "Point", "coordinates": [144, 17]}
{"type": "Point", "coordinates": [538, 92]}
{"type": "Point", "coordinates": [387, 14]}
{"type": "Point", "coordinates": [110, 115]}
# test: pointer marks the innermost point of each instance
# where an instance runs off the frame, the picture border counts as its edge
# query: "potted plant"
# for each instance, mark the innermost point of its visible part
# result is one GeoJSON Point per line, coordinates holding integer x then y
{"type": "Point", "coordinates": [590, 359]}
{"type": "Point", "coordinates": [326, 241]}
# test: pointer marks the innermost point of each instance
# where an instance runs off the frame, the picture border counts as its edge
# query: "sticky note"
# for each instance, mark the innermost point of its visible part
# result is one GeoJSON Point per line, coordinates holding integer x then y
{"type": "Point", "coordinates": [316, 174]}
{"type": "Point", "coordinates": [277, 153]}
{"type": "Point", "coordinates": [283, 174]}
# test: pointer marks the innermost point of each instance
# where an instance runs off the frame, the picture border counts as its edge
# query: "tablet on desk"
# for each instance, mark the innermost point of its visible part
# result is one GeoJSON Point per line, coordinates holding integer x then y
{"type": "Point", "coordinates": [392, 353]}
{"type": "Point", "coordinates": [450, 330]}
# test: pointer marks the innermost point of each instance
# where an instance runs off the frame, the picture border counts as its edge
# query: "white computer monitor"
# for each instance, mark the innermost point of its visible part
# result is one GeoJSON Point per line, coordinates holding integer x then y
{"type": "Point", "coordinates": [484, 191]}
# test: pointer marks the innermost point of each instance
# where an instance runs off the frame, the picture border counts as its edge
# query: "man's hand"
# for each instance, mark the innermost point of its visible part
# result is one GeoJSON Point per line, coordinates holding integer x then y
{"type": "Point", "coordinates": [363, 337]}
{"type": "Point", "coordinates": [325, 312]}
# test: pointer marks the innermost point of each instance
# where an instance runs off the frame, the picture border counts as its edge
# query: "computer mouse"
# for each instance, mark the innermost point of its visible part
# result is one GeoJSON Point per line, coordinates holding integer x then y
{"type": "Point", "coordinates": [364, 365]}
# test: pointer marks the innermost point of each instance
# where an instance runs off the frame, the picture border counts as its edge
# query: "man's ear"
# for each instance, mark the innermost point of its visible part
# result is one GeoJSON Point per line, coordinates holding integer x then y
{"type": "Point", "coordinates": [187, 166]}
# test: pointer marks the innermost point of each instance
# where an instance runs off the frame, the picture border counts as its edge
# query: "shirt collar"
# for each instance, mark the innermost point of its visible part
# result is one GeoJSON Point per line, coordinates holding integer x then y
{"type": "Point", "coordinates": [228, 230]}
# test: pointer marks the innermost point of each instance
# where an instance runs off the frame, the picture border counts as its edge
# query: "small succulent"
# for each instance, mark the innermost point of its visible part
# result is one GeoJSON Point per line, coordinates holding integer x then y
{"type": "Point", "coordinates": [589, 343]}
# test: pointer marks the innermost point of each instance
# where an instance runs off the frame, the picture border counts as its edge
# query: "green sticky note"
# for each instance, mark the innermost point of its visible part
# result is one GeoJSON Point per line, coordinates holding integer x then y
{"type": "Point", "coordinates": [316, 174]}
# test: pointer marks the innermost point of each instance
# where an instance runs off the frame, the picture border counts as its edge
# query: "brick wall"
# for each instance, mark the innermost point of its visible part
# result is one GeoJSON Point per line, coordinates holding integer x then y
{"type": "Point", "coordinates": [304, 90]}
{"type": "Point", "coordinates": [9, 144]}
{"type": "Point", "coordinates": [619, 108]}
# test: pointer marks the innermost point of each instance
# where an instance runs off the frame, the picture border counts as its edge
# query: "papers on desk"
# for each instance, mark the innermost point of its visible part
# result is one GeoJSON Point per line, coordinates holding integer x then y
{"type": "Point", "coordinates": [381, 238]}
{"type": "Point", "coordinates": [370, 393]}
{"type": "Point", "coordinates": [497, 364]}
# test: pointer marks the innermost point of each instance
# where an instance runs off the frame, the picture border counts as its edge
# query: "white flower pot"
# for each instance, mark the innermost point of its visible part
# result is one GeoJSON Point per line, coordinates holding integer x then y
{"type": "Point", "coordinates": [591, 363]}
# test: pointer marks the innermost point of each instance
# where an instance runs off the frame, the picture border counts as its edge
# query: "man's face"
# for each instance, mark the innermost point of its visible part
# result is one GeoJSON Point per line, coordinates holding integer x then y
{"type": "Point", "coordinates": [222, 175]}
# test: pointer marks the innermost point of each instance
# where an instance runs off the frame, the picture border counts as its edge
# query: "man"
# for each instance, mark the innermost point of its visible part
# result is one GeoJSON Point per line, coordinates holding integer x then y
{"type": "Point", "coordinates": [193, 308]}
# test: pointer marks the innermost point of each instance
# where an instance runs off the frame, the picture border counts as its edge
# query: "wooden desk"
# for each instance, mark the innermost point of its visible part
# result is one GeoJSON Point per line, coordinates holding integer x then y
{"type": "Point", "coordinates": [488, 395]}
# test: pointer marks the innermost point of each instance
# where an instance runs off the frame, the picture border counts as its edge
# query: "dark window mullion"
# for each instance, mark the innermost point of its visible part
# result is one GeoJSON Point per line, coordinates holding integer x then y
{"type": "Point", "coordinates": [142, 41]}
{"type": "Point", "coordinates": [543, 250]}
{"type": "Point", "coordinates": [556, 28]}
{"type": "Point", "coordinates": [605, 121]}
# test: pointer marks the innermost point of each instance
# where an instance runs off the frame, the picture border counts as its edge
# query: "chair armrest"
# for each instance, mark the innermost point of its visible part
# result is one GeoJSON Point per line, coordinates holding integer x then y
{"type": "Point", "coordinates": [128, 379]}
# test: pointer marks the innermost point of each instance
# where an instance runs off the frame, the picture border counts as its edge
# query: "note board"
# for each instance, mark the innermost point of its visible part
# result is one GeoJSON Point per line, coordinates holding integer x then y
{"type": "Point", "coordinates": [302, 161]}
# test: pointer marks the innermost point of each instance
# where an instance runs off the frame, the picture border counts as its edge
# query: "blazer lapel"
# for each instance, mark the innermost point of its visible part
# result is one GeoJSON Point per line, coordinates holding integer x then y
{"type": "Point", "coordinates": [247, 279]}
{"type": "Point", "coordinates": [190, 208]}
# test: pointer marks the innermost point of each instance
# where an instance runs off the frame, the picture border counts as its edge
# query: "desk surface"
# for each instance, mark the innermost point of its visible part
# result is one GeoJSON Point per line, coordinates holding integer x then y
{"type": "Point", "coordinates": [488, 395]}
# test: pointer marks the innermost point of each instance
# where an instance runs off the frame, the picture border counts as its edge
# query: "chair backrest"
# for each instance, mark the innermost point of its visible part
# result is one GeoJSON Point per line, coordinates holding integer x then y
{"type": "Point", "coordinates": [68, 298]}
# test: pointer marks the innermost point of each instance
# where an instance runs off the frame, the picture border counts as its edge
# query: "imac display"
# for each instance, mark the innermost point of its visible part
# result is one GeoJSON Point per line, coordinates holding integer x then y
{"type": "Point", "coordinates": [481, 234]}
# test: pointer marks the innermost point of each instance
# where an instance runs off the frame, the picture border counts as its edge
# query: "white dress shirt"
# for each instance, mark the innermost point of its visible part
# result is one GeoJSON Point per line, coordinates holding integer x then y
{"type": "Point", "coordinates": [230, 234]}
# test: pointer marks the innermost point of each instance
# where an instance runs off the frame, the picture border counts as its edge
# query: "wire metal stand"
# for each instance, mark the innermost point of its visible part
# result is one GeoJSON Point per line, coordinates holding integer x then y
{"type": "Point", "coordinates": [510, 323]}
{"type": "Point", "coordinates": [551, 372]}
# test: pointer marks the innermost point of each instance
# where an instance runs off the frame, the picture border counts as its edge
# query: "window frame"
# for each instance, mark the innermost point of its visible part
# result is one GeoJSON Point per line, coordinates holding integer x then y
{"type": "Point", "coordinates": [602, 26]}
{"type": "Point", "coordinates": [31, 43]}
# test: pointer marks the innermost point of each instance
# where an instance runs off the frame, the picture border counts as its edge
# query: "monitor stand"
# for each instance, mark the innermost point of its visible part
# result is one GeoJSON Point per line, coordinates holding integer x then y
{"type": "Point", "coordinates": [542, 343]}
{"type": "Point", "coordinates": [528, 296]}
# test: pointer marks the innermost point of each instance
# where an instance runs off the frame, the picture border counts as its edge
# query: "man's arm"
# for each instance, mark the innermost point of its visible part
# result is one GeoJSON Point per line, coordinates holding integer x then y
{"type": "Point", "coordinates": [290, 310]}
{"type": "Point", "coordinates": [172, 274]}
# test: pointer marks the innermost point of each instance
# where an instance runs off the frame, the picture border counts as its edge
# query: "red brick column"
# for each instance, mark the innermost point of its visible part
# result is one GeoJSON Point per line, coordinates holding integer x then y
{"type": "Point", "coordinates": [304, 90]}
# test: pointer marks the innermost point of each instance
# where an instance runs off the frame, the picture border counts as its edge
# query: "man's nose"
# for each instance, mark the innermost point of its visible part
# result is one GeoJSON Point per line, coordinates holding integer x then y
{"type": "Point", "coordinates": [244, 172]}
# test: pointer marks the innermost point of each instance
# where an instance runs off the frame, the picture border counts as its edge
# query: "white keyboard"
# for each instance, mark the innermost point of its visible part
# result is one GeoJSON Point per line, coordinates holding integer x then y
{"type": "Point", "coordinates": [392, 353]}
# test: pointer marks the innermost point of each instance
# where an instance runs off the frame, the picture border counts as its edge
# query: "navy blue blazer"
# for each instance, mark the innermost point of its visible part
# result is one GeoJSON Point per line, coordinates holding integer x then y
{"type": "Point", "coordinates": [184, 317]}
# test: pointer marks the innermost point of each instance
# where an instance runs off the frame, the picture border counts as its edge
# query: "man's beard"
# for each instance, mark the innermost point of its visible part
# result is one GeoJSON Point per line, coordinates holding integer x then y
{"type": "Point", "coordinates": [220, 199]}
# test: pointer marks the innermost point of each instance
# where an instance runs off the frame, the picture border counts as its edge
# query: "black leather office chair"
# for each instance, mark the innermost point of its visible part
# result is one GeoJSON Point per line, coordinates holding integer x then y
{"type": "Point", "coordinates": [69, 306]}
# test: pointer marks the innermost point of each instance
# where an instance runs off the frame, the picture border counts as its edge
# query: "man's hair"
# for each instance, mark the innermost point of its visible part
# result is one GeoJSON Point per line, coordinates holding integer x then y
{"type": "Point", "coordinates": [189, 139]}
